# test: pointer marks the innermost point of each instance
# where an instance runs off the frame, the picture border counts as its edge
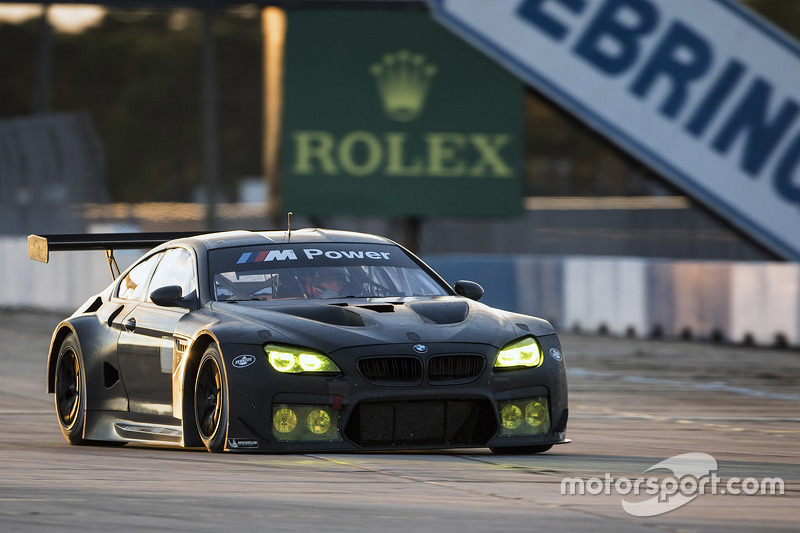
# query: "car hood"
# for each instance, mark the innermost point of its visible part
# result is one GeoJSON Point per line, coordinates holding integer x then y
{"type": "Point", "coordinates": [334, 324]}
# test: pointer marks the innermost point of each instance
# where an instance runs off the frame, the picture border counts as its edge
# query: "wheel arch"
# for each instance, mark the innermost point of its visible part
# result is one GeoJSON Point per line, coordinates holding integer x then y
{"type": "Point", "coordinates": [61, 333]}
{"type": "Point", "coordinates": [191, 437]}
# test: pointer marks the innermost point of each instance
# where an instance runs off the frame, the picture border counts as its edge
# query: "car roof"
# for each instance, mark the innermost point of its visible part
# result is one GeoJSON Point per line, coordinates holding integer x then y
{"type": "Point", "coordinates": [228, 239]}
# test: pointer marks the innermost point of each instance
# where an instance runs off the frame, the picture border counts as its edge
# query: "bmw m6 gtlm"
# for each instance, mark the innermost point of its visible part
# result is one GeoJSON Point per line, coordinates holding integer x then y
{"type": "Point", "coordinates": [308, 340]}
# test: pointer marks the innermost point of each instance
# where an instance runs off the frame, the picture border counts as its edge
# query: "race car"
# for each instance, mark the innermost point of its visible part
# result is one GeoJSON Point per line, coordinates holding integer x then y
{"type": "Point", "coordinates": [297, 341]}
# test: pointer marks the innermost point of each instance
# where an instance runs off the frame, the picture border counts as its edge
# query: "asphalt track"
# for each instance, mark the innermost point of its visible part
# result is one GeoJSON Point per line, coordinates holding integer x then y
{"type": "Point", "coordinates": [633, 404]}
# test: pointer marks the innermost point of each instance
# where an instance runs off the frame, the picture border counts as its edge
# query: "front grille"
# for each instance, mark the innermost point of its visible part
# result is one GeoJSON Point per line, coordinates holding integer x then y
{"type": "Point", "coordinates": [455, 368]}
{"type": "Point", "coordinates": [422, 423]}
{"type": "Point", "coordinates": [391, 370]}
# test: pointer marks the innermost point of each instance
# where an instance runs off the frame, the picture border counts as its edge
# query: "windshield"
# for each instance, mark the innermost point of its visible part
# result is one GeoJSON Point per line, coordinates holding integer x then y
{"type": "Point", "coordinates": [318, 270]}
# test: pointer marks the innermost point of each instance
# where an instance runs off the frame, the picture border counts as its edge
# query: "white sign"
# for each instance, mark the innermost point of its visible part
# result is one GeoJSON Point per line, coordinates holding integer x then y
{"type": "Point", "coordinates": [704, 91]}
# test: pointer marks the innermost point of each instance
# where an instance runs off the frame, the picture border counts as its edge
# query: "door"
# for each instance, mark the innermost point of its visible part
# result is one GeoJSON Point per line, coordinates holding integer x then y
{"type": "Point", "coordinates": [146, 341]}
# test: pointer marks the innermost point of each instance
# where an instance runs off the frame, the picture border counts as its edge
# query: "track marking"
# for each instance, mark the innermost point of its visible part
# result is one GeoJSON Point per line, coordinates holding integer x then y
{"type": "Point", "coordinates": [43, 499]}
{"type": "Point", "coordinates": [448, 485]}
{"type": "Point", "coordinates": [692, 418]}
{"type": "Point", "coordinates": [613, 414]}
{"type": "Point", "coordinates": [715, 386]}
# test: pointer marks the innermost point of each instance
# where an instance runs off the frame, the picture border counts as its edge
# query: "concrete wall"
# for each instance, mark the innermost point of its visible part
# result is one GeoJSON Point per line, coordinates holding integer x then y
{"type": "Point", "coordinates": [62, 285]}
{"type": "Point", "coordinates": [732, 301]}
{"type": "Point", "coordinates": [737, 302]}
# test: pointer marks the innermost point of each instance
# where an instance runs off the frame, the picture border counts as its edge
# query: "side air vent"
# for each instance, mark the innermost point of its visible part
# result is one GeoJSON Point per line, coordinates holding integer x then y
{"type": "Point", "coordinates": [110, 375]}
{"type": "Point", "coordinates": [181, 345]}
{"type": "Point", "coordinates": [391, 370]}
{"type": "Point", "coordinates": [96, 304]}
{"type": "Point", "coordinates": [114, 315]}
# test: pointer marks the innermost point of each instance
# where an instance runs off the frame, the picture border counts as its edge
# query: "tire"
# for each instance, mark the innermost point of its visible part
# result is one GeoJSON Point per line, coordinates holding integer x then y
{"type": "Point", "coordinates": [520, 450]}
{"type": "Point", "coordinates": [70, 390]}
{"type": "Point", "coordinates": [211, 401]}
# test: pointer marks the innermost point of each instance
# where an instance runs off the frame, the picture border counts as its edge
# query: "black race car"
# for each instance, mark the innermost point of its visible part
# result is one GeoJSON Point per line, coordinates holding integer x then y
{"type": "Point", "coordinates": [301, 341]}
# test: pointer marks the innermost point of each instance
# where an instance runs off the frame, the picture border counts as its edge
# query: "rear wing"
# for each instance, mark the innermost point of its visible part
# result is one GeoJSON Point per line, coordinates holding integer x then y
{"type": "Point", "coordinates": [40, 246]}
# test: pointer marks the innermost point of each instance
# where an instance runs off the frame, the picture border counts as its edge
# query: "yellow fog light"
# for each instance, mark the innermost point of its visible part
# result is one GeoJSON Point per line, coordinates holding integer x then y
{"type": "Point", "coordinates": [523, 353]}
{"type": "Point", "coordinates": [535, 414]}
{"type": "Point", "coordinates": [511, 416]}
{"type": "Point", "coordinates": [284, 420]}
{"type": "Point", "coordinates": [319, 421]}
{"type": "Point", "coordinates": [298, 360]}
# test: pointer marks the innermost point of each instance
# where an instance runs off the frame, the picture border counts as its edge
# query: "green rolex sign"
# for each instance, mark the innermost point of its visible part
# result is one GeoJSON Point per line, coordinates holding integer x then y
{"type": "Point", "coordinates": [388, 114]}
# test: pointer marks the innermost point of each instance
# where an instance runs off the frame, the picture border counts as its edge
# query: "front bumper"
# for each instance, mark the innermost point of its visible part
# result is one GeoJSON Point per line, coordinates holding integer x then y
{"type": "Point", "coordinates": [269, 411]}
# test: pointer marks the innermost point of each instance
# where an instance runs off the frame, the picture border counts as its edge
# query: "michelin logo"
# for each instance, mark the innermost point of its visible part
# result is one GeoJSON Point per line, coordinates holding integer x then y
{"type": "Point", "coordinates": [242, 443]}
{"type": "Point", "coordinates": [311, 254]}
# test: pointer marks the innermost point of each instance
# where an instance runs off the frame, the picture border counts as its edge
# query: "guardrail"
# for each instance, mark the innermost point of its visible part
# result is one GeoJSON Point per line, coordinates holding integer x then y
{"type": "Point", "coordinates": [741, 302]}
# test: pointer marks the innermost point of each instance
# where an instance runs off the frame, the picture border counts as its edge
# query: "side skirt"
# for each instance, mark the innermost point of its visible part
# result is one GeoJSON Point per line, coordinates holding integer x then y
{"type": "Point", "coordinates": [118, 426]}
{"type": "Point", "coordinates": [149, 433]}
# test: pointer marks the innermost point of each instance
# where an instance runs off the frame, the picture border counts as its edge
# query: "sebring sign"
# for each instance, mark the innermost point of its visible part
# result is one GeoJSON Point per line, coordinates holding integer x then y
{"type": "Point", "coordinates": [702, 90]}
{"type": "Point", "coordinates": [387, 113]}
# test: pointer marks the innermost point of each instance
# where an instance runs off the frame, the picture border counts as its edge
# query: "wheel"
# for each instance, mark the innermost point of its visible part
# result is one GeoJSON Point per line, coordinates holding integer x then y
{"type": "Point", "coordinates": [210, 401]}
{"type": "Point", "coordinates": [70, 393]}
{"type": "Point", "coordinates": [520, 450]}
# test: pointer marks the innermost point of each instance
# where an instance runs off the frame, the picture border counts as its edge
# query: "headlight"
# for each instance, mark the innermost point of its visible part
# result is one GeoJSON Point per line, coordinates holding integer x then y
{"type": "Point", "coordinates": [520, 353]}
{"type": "Point", "coordinates": [297, 360]}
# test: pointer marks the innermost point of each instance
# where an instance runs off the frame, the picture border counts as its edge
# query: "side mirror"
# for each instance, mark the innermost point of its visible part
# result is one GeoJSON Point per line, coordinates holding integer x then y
{"type": "Point", "coordinates": [172, 296]}
{"type": "Point", "coordinates": [469, 289]}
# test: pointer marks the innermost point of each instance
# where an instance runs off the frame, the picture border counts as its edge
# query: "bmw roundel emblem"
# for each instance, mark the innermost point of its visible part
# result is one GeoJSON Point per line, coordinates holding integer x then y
{"type": "Point", "coordinates": [420, 348]}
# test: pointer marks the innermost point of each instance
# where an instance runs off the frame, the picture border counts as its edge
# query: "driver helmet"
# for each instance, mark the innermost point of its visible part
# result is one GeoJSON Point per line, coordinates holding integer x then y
{"type": "Point", "coordinates": [332, 273]}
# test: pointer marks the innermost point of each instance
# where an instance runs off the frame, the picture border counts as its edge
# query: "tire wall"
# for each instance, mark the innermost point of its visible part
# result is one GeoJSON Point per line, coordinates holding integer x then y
{"type": "Point", "coordinates": [709, 300]}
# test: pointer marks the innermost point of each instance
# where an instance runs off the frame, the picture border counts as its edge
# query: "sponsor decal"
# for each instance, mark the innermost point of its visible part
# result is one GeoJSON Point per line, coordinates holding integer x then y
{"type": "Point", "coordinates": [311, 254]}
{"type": "Point", "coordinates": [403, 79]}
{"type": "Point", "coordinates": [556, 354]}
{"type": "Point", "coordinates": [416, 138]}
{"type": "Point", "coordinates": [242, 443]}
{"type": "Point", "coordinates": [420, 348]}
{"type": "Point", "coordinates": [345, 254]}
{"type": "Point", "coordinates": [244, 360]}
{"type": "Point", "coordinates": [271, 255]}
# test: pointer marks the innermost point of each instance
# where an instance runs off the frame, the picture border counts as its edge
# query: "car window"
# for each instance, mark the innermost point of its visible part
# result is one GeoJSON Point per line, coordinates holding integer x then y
{"type": "Point", "coordinates": [317, 271]}
{"type": "Point", "coordinates": [131, 287]}
{"type": "Point", "coordinates": [176, 268]}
